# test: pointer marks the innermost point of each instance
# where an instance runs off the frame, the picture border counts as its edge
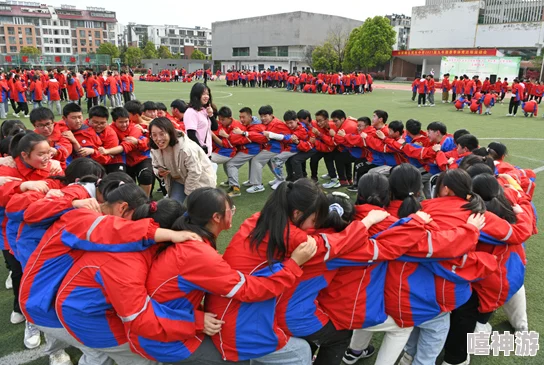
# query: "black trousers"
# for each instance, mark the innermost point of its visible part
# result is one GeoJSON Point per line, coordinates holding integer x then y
{"type": "Point", "coordinates": [513, 106]}
{"type": "Point", "coordinates": [342, 161]}
{"type": "Point", "coordinates": [126, 96]}
{"type": "Point", "coordinates": [453, 97]}
{"type": "Point", "coordinates": [92, 102]}
{"type": "Point", "coordinates": [64, 94]}
{"type": "Point", "coordinates": [462, 322]}
{"type": "Point", "coordinates": [361, 167]}
{"type": "Point", "coordinates": [331, 343]}
{"type": "Point", "coordinates": [502, 95]}
{"type": "Point", "coordinates": [421, 99]}
{"type": "Point", "coordinates": [297, 164]}
{"type": "Point", "coordinates": [22, 107]}
{"type": "Point", "coordinates": [329, 162]}
{"type": "Point", "coordinates": [16, 275]}
{"type": "Point", "coordinates": [115, 167]}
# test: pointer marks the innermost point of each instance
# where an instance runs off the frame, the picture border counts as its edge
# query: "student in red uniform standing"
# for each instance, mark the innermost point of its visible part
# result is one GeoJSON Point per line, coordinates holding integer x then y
{"type": "Point", "coordinates": [20, 96]}
{"type": "Point", "coordinates": [504, 88]}
{"type": "Point", "coordinates": [59, 76]}
{"type": "Point", "coordinates": [75, 91]}
{"type": "Point", "coordinates": [36, 90]}
{"type": "Point", "coordinates": [422, 90]}
{"type": "Point", "coordinates": [515, 100]}
{"type": "Point", "coordinates": [53, 93]}
{"type": "Point", "coordinates": [90, 84]}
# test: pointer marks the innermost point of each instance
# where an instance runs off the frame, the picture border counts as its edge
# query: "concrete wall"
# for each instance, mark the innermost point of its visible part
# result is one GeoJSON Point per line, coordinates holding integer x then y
{"type": "Point", "coordinates": [513, 35]}
{"type": "Point", "coordinates": [450, 25]}
{"type": "Point", "coordinates": [254, 65]}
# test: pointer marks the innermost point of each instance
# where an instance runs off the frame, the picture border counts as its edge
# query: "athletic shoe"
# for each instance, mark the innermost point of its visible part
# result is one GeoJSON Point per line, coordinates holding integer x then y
{"type": "Point", "coordinates": [32, 336]}
{"type": "Point", "coordinates": [274, 182]}
{"type": "Point", "coordinates": [406, 359]}
{"type": "Point", "coordinates": [466, 362]}
{"type": "Point", "coordinates": [247, 183]}
{"type": "Point", "coordinates": [16, 318]}
{"type": "Point", "coordinates": [16, 115]}
{"type": "Point", "coordinates": [234, 191]}
{"type": "Point", "coordinates": [483, 327]}
{"type": "Point", "coordinates": [432, 105]}
{"type": "Point", "coordinates": [345, 183]}
{"type": "Point", "coordinates": [60, 358]}
{"type": "Point", "coordinates": [526, 114]}
{"type": "Point", "coordinates": [419, 105]}
{"type": "Point", "coordinates": [508, 115]}
{"type": "Point", "coordinates": [326, 177]}
{"type": "Point", "coordinates": [225, 184]}
{"type": "Point", "coordinates": [9, 283]}
{"type": "Point", "coordinates": [334, 183]}
{"type": "Point", "coordinates": [351, 358]}
{"type": "Point", "coordinates": [255, 189]}
{"type": "Point", "coordinates": [275, 186]}
{"type": "Point", "coordinates": [443, 102]}
{"type": "Point", "coordinates": [353, 188]}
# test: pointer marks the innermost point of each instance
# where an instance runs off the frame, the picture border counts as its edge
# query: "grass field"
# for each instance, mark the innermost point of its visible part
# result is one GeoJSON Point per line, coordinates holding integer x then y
{"type": "Point", "coordinates": [523, 136]}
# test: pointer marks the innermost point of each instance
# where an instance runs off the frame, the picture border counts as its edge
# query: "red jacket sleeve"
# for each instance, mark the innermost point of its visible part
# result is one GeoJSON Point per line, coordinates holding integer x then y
{"type": "Point", "coordinates": [64, 149]}
{"type": "Point", "coordinates": [446, 243]}
{"type": "Point", "coordinates": [49, 209]}
{"type": "Point", "coordinates": [513, 234]}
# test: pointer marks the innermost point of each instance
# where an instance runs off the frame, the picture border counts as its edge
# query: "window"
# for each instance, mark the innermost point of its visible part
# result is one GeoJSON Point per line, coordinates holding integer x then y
{"type": "Point", "coordinates": [2, 39]}
{"type": "Point", "coordinates": [56, 32]}
{"type": "Point", "coordinates": [201, 34]}
{"type": "Point", "coordinates": [240, 52]}
{"type": "Point", "coordinates": [84, 49]}
{"type": "Point", "coordinates": [283, 51]}
{"type": "Point", "coordinates": [97, 42]}
{"type": "Point", "coordinates": [28, 31]}
{"type": "Point", "coordinates": [58, 50]}
{"type": "Point", "coordinates": [11, 30]}
{"type": "Point", "coordinates": [55, 23]}
{"type": "Point", "coordinates": [29, 40]}
{"type": "Point", "coordinates": [38, 41]}
{"type": "Point", "coordinates": [182, 32]}
{"type": "Point", "coordinates": [65, 32]}
{"type": "Point", "coordinates": [3, 49]}
{"type": "Point", "coordinates": [83, 42]}
{"type": "Point", "coordinates": [13, 49]}
{"type": "Point", "coordinates": [12, 40]}
{"type": "Point", "coordinates": [65, 23]}
{"type": "Point", "coordinates": [97, 34]}
{"type": "Point", "coordinates": [46, 22]}
{"type": "Point", "coordinates": [81, 34]}
{"type": "Point", "coordinates": [57, 41]}
{"type": "Point", "coordinates": [65, 41]}
{"type": "Point", "coordinates": [67, 50]}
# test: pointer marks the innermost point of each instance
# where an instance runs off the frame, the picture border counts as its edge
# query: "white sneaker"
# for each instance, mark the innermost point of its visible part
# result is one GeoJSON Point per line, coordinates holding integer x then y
{"type": "Point", "coordinates": [60, 358]}
{"type": "Point", "coordinates": [406, 359]}
{"type": "Point", "coordinates": [247, 183]}
{"type": "Point", "coordinates": [508, 115]}
{"type": "Point", "coordinates": [26, 116]}
{"type": "Point", "coordinates": [274, 182]}
{"type": "Point", "coordinates": [32, 336]}
{"type": "Point", "coordinates": [255, 189]}
{"type": "Point", "coordinates": [225, 183]}
{"type": "Point", "coordinates": [483, 327]}
{"type": "Point", "coordinates": [419, 105]}
{"type": "Point", "coordinates": [334, 183]}
{"type": "Point", "coordinates": [466, 362]}
{"type": "Point", "coordinates": [326, 177]}
{"type": "Point", "coordinates": [275, 186]}
{"type": "Point", "coordinates": [9, 283]}
{"type": "Point", "coordinates": [432, 104]}
{"type": "Point", "coordinates": [16, 318]}
{"type": "Point", "coordinates": [16, 115]}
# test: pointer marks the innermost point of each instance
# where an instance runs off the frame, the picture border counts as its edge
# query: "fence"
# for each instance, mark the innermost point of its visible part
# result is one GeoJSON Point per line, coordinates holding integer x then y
{"type": "Point", "coordinates": [46, 61]}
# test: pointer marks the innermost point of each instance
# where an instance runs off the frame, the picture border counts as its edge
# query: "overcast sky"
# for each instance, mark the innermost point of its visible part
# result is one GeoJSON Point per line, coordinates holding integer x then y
{"type": "Point", "coordinates": [204, 13]}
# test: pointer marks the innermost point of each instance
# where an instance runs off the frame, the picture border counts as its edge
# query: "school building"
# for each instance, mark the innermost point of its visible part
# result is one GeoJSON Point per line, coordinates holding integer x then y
{"type": "Point", "coordinates": [279, 41]}
{"type": "Point", "coordinates": [468, 28]}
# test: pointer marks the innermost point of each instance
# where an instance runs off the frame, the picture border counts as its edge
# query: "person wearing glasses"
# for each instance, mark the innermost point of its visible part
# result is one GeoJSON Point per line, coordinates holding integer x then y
{"type": "Point", "coordinates": [43, 121]}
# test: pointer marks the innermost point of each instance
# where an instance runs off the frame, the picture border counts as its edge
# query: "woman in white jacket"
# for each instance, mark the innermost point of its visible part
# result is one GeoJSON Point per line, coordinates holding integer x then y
{"type": "Point", "coordinates": [182, 163]}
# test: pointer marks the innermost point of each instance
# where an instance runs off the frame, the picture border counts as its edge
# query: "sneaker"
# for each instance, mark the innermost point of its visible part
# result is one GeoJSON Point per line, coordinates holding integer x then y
{"type": "Point", "coordinates": [9, 283]}
{"type": "Point", "coordinates": [60, 358]}
{"type": "Point", "coordinates": [353, 188]}
{"type": "Point", "coordinates": [406, 359]}
{"type": "Point", "coordinates": [466, 362]}
{"type": "Point", "coordinates": [334, 183]}
{"type": "Point", "coordinates": [225, 184]}
{"type": "Point", "coordinates": [326, 177]}
{"type": "Point", "coordinates": [32, 336]}
{"type": "Point", "coordinates": [275, 186]}
{"type": "Point", "coordinates": [26, 116]}
{"type": "Point", "coordinates": [255, 189]}
{"type": "Point", "coordinates": [419, 105]}
{"type": "Point", "coordinates": [345, 183]}
{"type": "Point", "coordinates": [274, 182]}
{"type": "Point", "coordinates": [483, 327]}
{"type": "Point", "coordinates": [16, 115]}
{"type": "Point", "coordinates": [234, 191]}
{"type": "Point", "coordinates": [508, 115]}
{"type": "Point", "coordinates": [247, 183]}
{"type": "Point", "coordinates": [432, 104]}
{"type": "Point", "coordinates": [16, 318]}
{"type": "Point", "coordinates": [351, 358]}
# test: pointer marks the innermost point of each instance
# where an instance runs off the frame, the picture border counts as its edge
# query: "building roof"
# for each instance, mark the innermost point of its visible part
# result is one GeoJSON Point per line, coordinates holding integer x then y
{"type": "Point", "coordinates": [42, 11]}
{"type": "Point", "coordinates": [293, 14]}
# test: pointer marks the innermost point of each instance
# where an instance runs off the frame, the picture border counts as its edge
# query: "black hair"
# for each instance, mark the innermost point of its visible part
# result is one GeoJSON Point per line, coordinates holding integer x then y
{"type": "Point", "coordinates": [246, 110]}
{"type": "Point", "coordinates": [322, 113]}
{"type": "Point", "coordinates": [99, 111]}
{"type": "Point", "coordinates": [196, 93]}
{"type": "Point", "coordinates": [202, 204]}
{"type": "Point", "coordinates": [438, 126]}
{"type": "Point", "coordinates": [11, 127]}
{"type": "Point", "coordinates": [24, 142]}
{"type": "Point", "coordinates": [134, 107]}
{"type": "Point", "coordinates": [119, 112]}
{"type": "Point", "coordinates": [71, 108]}
{"type": "Point", "coordinates": [334, 219]}
{"type": "Point", "coordinates": [266, 109]}
{"type": "Point", "coordinates": [130, 193]}
{"type": "Point", "coordinates": [165, 212]}
{"type": "Point", "coordinates": [302, 195]}
{"type": "Point", "coordinates": [365, 120]}
{"type": "Point", "coordinates": [459, 133]}
{"type": "Point", "coordinates": [373, 189]}
{"type": "Point", "coordinates": [161, 106]}
{"type": "Point", "coordinates": [468, 141]}
{"type": "Point", "coordinates": [412, 126]}
{"type": "Point", "coordinates": [179, 105]}
{"type": "Point", "coordinates": [338, 114]}
{"type": "Point", "coordinates": [79, 168]}
{"type": "Point", "coordinates": [109, 182]}
{"type": "Point", "coordinates": [289, 115]}
{"type": "Point", "coordinates": [304, 114]}
{"type": "Point", "coordinates": [397, 126]}
{"type": "Point", "coordinates": [405, 185]}
{"type": "Point", "coordinates": [224, 112]}
{"type": "Point", "coordinates": [166, 125]}
{"type": "Point", "coordinates": [4, 146]}
{"type": "Point", "coordinates": [497, 150]}
{"type": "Point", "coordinates": [492, 193]}
{"type": "Point", "coordinates": [460, 183]}
{"type": "Point", "coordinates": [382, 114]}
{"type": "Point", "coordinates": [478, 169]}
{"type": "Point", "coordinates": [41, 114]}
{"type": "Point", "coordinates": [149, 105]}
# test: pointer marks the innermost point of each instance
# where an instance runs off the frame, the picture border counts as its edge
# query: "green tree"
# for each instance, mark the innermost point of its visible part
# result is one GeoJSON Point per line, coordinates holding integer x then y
{"type": "Point", "coordinates": [371, 44]}
{"type": "Point", "coordinates": [164, 52]}
{"type": "Point", "coordinates": [349, 63]}
{"type": "Point", "coordinates": [109, 49]}
{"type": "Point", "coordinates": [150, 51]}
{"type": "Point", "coordinates": [133, 56]}
{"type": "Point", "coordinates": [324, 58]}
{"type": "Point", "coordinates": [31, 50]}
{"type": "Point", "coordinates": [338, 37]}
{"type": "Point", "coordinates": [198, 55]}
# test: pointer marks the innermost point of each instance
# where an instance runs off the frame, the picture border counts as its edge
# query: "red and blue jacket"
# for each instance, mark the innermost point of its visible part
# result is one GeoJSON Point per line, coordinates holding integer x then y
{"type": "Point", "coordinates": [302, 134]}
{"type": "Point", "coordinates": [253, 143]}
{"type": "Point", "coordinates": [447, 144]}
{"type": "Point", "coordinates": [279, 127]}
{"type": "Point", "coordinates": [355, 144]}
{"type": "Point", "coordinates": [64, 242]}
{"type": "Point", "coordinates": [226, 148]}
{"type": "Point", "coordinates": [132, 154]}
{"type": "Point", "coordinates": [178, 279]}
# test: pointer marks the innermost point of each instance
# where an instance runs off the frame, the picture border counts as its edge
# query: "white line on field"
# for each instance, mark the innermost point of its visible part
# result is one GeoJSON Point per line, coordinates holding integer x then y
{"type": "Point", "coordinates": [514, 139]}
{"type": "Point", "coordinates": [23, 357]}
{"type": "Point", "coordinates": [527, 158]}
{"type": "Point", "coordinates": [539, 169]}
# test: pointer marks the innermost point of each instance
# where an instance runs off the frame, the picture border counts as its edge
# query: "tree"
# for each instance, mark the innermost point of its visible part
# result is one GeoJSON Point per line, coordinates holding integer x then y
{"type": "Point", "coordinates": [324, 58]}
{"type": "Point", "coordinates": [143, 41]}
{"type": "Point", "coordinates": [150, 51]}
{"type": "Point", "coordinates": [371, 44]}
{"type": "Point", "coordinates": [31, 50]}
{"type": "Point", "coordinates": [308, 51]}
{"type": "Point", "coordinates": [164, 52]}
{"type": "Point", "coordinates": [350, 64]}
{"type": "Point", "coordinates": [133, 56]}
{"type": "Point", "coordinates": [338, 38]}
{"type": "Point", "coordinates": [109, 49]}
{"type": "Point", "coordinates": [198, 55]}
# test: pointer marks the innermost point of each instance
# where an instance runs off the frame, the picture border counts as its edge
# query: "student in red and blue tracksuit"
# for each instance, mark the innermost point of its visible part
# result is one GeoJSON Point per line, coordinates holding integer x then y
{"type": "Point", "coordinates": [223, 150]}
{"type": "Point", "coordinates": [181, 275]}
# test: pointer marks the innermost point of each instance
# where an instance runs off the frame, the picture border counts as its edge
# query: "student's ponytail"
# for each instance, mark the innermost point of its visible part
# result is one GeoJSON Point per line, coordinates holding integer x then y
{"type": "Point", "coordinates": [373, 189]}
{"type": "Point", "coordinates": [492, 193]}
{"type": "Point", "coordinates": [341, 211]}
{"type": "Point", "coordinates": [78, 169]}
{"type": "Point", "coordinates": [165, 212]}
{"type": "Point", "coordinates": [460, 183]}
{"type": "Point", "coordinates": [405, 185]}
{"type": "Point", "coordinates": [119, 191]}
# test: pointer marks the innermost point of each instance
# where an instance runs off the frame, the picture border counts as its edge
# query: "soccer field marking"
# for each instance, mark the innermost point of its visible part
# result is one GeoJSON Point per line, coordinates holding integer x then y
{"type": "Point", "coordinates": [527, 158]}
{"type": "Point", "coordinates": [539, 169]}
{"type": "Point", "coordinates": [222, 92]}
{"type": "Point", "coordinates": [512, 139]}
{"type": "Point", "coordinates": [23, 357]}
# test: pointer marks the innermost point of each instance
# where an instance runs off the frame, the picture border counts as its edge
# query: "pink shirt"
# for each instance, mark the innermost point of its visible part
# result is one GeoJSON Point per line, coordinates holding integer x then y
{"type": "Point", "coordinates": [199, 122]}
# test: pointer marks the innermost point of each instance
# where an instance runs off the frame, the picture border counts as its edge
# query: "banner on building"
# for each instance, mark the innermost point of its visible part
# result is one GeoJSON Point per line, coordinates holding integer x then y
{"type": "Point", "coordinates": [481, 66]}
